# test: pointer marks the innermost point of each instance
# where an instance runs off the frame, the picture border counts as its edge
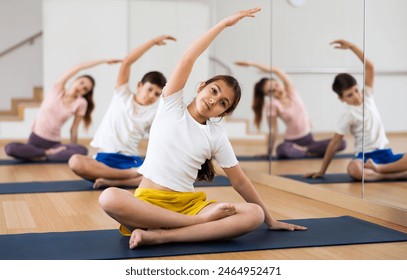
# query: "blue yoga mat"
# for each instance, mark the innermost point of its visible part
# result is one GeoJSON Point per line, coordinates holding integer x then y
{"type": "Point", "coordinates": [79, 185]}
{"type": "Point", "coordinates": [20, 162]}
{"type": "Point", "coordinates": [265, 158]}
{"type": "Point", "coordinates": [110, 244]}
{"type": "Point", "coordinates": [327, 179]}
{"type": "Point", "coordinates": [332, 178]}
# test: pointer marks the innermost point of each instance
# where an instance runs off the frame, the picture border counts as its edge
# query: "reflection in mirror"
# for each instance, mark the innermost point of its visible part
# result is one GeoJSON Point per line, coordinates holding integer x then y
{"type": "Point", "coordinates": [305, 54]}
{"type": "Point", "coordinates": [386, 42]}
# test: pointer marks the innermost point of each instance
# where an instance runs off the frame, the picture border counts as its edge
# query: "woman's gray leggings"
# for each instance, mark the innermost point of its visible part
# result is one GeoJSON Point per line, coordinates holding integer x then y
{"type": "Point", "coordinates": [36, 146]}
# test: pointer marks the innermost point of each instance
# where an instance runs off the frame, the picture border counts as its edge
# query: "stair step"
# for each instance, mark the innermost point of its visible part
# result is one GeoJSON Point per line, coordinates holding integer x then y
{"type": "Point", "coordinates": [16, 113]}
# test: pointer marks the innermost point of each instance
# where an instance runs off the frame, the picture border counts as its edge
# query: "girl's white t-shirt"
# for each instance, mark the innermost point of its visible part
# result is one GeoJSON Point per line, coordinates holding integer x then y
{"type": "Point", "coordinates": [179, 145]}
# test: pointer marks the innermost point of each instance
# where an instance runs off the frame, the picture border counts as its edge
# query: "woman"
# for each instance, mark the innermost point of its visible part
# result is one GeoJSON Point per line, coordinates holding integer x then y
{"type": "Point", "coordinates": [58, 106]}
{"type": "Point", "coordinates": [287, 105]}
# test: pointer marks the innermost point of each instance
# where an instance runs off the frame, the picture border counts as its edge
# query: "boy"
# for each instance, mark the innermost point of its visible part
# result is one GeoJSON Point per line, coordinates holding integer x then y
{"type": "Point", "coordinates": [361, 116]}
{"type": "Point", "coordinates": [127, 120]}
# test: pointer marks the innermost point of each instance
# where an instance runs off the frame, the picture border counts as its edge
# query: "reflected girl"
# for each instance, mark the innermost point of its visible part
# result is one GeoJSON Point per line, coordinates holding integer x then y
{"type": "Point", "coordinates": [280, 99]}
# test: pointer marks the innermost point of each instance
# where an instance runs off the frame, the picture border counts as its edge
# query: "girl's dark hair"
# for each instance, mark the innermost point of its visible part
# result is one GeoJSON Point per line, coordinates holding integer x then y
{"type": "Point", "coordinates": [207, 172]}
{"type": "Point", "coordinates": [154, 77]}
{"type": "Point", "coordinates": [343, 82]}
{"type": "Point", "coordinates": [89, 99]}
{"type": "Point", "coordinates": [258, 101]}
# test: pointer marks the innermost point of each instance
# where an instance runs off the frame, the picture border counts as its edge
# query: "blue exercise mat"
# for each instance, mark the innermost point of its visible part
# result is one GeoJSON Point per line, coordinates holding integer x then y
{"type": "Point", "coordinates": [265, 158]}
{"type": "Point", "coordinates": [332, 178]}
{"type": "Point", "coordinates": [20, 162]}
{"type": "Point", "coordinates": [46, 186]}
{"type": "Point", "coordinates": [79, 185]}
{"type": "Point", "coordinates": [110, 244]}
{"type": "Point", "coordinates": [327, 179]}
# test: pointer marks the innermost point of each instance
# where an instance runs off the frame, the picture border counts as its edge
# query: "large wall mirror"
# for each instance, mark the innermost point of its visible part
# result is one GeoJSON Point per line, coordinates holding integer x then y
{"type": "Point", "coordinates": [300, 38]}
{"type": "Point", "coordinates": [386, 44]}
{"type": "Point", "coordinates": [295, 39]}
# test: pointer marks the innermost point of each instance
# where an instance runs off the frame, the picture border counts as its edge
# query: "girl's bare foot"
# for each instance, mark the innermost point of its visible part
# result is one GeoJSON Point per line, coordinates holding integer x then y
{"type": "Point", "coordinates": [220, 211]}
{"type": "Point", "coordinates": [141, 237]}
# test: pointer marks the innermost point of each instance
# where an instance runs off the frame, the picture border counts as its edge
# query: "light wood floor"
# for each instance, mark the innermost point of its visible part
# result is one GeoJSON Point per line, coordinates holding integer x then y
{"type": "Point", "coordinates": [74, 211]}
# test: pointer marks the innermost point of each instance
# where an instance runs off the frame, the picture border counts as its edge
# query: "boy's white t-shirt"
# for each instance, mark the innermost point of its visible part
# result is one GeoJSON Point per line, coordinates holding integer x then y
{"type": "Point", "coordinates": [124, 125]}
{"type": "Point", "coordinates": [352, 120]}
{"type": "Point", "coordinates": [178, 146]}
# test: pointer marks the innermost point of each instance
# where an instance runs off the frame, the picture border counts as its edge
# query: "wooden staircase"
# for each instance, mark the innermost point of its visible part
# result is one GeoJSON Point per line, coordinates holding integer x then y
{"type": "Point", "coordinates": [16, 113]}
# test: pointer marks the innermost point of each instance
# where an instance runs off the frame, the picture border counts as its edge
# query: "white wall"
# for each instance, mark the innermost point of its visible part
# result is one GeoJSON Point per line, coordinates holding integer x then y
{"type": "Point", "coordinates": [386, 45]}
{"type": "Point", "coordinates": [182, 19]}
{"type": "Point", "coordinates": [295, 39]}
{"type": "Point", "coordinates": [81, 30]}
{"type": "Point", "coordinates": [21, 69]}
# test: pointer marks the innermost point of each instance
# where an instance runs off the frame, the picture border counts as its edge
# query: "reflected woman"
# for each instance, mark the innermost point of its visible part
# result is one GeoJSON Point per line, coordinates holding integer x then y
{"type": "Point", "coordinates": [280, 99]}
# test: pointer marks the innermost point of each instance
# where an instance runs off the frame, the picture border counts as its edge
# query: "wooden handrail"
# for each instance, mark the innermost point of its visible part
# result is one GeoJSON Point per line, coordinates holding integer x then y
{"type": "Point", "coordinates": [30, 40]}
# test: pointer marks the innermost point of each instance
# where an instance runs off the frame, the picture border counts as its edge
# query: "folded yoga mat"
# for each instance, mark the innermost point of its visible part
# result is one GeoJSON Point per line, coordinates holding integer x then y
{"type": "Point", "coordinates": [332, 178]}
{"type": "Point", "coordinates": [265, 158]}
{"type": "Point", "coordinates": [110, 244]}
{"type": "Point", "coordinates": [79, 185]}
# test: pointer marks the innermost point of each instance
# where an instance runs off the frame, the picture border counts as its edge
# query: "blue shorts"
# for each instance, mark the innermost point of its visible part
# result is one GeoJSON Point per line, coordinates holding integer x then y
{"type": "Point", "coordinates": [381, 156]}
{"type": "Point", "coordinates": [119, 161]}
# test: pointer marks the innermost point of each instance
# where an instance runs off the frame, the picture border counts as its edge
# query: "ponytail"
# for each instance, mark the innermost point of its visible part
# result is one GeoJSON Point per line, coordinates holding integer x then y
{"type": "Point", "coordinates": [258, 101]}
{"type": "Point", "coordinates": [207, 172]}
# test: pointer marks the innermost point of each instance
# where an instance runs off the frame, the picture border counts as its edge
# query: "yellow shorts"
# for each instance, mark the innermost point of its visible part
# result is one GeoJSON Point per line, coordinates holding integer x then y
{"type": "Point", "coordinates": [188, 203]}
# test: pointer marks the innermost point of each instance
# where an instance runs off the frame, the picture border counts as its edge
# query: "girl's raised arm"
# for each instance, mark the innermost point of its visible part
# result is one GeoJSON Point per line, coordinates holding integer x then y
{"type": "Point", "coordinates": [183, 69]}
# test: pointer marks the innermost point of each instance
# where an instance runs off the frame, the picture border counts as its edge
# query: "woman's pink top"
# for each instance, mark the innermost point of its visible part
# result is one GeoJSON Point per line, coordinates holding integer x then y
{"type": "Point", "coordinates": [53, 113]}
{"type": "Point", "coordinates": [294, 116]}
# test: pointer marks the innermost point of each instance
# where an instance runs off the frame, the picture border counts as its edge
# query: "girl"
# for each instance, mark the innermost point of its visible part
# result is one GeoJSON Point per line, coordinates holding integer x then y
{"type": "Point", "coordinates": [287, 105]}
{"type": "Point", "coordinates": [126, 122]}
{"type": "Point", "coordinates": [44, 143]}
{"type": "Point", "coordinates": [165, 208]}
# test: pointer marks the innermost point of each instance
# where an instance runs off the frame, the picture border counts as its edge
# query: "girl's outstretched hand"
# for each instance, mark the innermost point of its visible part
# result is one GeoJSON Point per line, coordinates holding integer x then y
{"type": "Point", "coordinates": [341, 44]}
{"type": "Point", "coordinates": [277, 225]}
{"type": "Point", "coordinates": [229, 21]}
{"type": "Point", "coordinates": [161, 39]}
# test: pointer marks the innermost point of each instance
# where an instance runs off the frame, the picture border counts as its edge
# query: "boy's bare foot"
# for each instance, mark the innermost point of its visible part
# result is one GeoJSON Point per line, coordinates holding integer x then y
{"type": "Point", "coordinates": [102, 182]}
{"type": "Point", "coordinates": [370, 164]}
